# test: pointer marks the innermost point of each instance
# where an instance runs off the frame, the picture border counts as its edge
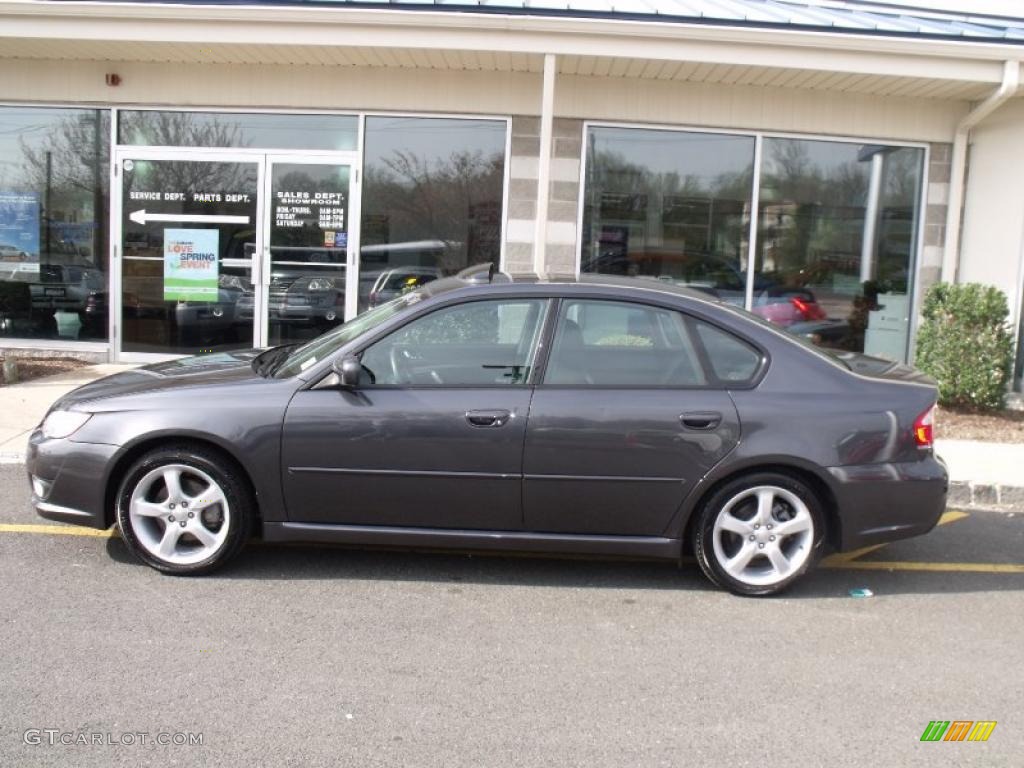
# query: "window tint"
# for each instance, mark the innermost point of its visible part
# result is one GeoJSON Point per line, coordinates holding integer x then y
{"type": "Point", "coordinates": [607, 343]}
{"type": "Point", "coordinates": [481, 344]}
{"type": "Point", "coordinates": [732, 360]}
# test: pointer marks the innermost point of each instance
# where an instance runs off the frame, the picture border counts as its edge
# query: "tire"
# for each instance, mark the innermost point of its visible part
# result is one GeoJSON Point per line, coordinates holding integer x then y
{"type": "Point", "coordinates": [191, 529]}
{"type": "Point", "coordinates": [759, 534]}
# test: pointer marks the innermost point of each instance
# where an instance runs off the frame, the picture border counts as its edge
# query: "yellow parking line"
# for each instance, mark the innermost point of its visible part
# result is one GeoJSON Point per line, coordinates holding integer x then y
{"type": "Point", "coordinates": [57, 530]}
{"type": "Point", "coordinates": [897, 565]}
{"type": "Point", "coordinates": [845, 557]}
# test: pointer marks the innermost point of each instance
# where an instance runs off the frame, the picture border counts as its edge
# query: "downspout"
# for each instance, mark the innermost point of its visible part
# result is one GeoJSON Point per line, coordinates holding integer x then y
{"type": "Point", "coordinates": [958, 170]}
{"type": "Point", "coordinates": [547, 119]}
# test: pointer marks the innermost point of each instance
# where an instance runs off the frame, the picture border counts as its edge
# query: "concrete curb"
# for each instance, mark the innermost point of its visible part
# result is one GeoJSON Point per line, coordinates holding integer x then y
{"type": "Point", "coordinates": [982, 495]}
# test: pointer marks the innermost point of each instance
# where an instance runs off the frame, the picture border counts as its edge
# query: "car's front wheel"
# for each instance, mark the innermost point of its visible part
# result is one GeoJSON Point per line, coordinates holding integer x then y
{"type": "Point", "coordinates": [760, 533]}
{"type": "Point", "coordinates": [184, 510]}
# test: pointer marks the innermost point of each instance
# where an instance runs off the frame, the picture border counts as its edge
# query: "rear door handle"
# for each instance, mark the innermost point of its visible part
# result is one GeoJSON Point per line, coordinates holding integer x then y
{"type": "Point", "coordinates": [701, 420]}
{"type": "Point", "coordinates": [488, 418]}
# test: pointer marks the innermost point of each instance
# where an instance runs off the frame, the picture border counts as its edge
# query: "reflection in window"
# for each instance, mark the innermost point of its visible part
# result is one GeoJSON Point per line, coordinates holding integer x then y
{"type": "Point", "coordinates": [480, 344]}
{"type": "Point", "coordinates": [53, 213]}
{"type": "Point", "coordinates": [235, 129]}
{"type": "Point", "coordinates": [618, 344]}
{"type": "Point", "coordinates": [837, 231]}
{"type": "Point", "coordinates": [668, 205]}
{"type": "Point", "coordinates": [432, 201]}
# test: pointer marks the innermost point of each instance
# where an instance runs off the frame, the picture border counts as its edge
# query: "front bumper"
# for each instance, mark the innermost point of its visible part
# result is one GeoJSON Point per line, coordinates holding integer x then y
{"type": "Point", "coordinates": [879, 503]}
{"type": "Point", "coordinates": [70, 480]}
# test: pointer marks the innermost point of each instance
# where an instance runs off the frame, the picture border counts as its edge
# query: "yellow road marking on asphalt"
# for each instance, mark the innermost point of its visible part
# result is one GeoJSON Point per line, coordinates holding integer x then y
{"type": "Point", "coordinates": [843, 561]}
{"type": "Point", "coordinates": [56, 530]}
{"type": "Point", "coordinates": [897, 565]}
{"type": "Point", "coordinates": [833, 561]}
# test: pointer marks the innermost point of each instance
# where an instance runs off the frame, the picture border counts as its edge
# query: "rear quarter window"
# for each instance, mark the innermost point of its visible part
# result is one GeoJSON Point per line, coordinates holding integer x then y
{"type": "Point", "coordinates": [733, 360]}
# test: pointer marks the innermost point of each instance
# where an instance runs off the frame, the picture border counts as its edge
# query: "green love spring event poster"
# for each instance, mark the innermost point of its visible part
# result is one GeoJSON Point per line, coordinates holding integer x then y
{"type": "Point", "coordinates": [190, 264]}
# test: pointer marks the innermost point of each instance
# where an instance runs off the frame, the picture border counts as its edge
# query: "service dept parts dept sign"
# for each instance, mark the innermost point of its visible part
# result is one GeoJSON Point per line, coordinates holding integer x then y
{"type": "Point", "coordinates": [190, 264]}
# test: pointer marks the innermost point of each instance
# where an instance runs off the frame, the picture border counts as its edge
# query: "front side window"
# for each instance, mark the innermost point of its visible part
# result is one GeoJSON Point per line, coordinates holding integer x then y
{"type": "Point", "coordinates": [619, 344]}
{"type": "Point", "coordinates": [479, 344]}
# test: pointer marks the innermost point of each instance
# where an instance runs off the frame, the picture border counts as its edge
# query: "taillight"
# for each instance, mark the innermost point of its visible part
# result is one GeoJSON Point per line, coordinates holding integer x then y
{"type": "Point", "coordinates": [924, 434]}
{"type": "Point", "coordinates": [808, 309]}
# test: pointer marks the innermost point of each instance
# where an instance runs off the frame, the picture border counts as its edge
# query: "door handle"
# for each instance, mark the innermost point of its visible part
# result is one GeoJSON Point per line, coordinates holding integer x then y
{"type": "Point", "coordinates": [488, 418]}
{"type": "Point", "coordinates": [703, 420]}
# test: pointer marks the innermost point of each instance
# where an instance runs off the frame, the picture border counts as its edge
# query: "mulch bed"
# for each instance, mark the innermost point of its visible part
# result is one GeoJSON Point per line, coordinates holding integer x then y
{"type": "Point", "coordinates": [31, 368]}
{"type": "Point", "coordinates": [998, 427]}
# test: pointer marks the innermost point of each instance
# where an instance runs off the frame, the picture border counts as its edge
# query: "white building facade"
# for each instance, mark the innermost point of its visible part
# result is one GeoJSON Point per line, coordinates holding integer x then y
{"type": "Point", "coordinates": [177, 179]}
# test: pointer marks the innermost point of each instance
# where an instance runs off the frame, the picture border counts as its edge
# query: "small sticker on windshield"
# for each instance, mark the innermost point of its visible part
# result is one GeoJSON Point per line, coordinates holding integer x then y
{"type": "Point", "coordinates": [306, 363]}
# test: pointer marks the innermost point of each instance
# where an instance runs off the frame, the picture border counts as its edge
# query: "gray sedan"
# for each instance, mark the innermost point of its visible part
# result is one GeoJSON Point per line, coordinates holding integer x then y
{"type": "Point", "coordinates": [605, 417]}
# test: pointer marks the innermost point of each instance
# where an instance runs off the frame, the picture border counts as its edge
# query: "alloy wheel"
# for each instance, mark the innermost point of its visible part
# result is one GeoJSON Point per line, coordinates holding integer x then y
{"type": "Point", "coordinates": [179, 514]}
{"type": "Point", "coordinates": [763, 535]}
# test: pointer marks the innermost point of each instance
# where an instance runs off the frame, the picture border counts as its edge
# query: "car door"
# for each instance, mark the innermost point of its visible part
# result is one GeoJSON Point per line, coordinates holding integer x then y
{"type": "Point", "coordinates": [433, 437]}
{"type": "Point", "coordinates": [626, 420]}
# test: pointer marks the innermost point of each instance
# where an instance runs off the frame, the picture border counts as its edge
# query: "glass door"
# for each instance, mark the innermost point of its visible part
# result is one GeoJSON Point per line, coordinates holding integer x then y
{"type": "Point", "coordinates": [189, 235]}
{"type": "Point", "coordinates": [309, 246]}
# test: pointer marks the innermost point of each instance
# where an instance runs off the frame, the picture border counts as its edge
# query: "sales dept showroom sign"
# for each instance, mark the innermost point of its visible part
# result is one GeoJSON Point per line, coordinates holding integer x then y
{"type": "Point", "coordinates": [190, 264]}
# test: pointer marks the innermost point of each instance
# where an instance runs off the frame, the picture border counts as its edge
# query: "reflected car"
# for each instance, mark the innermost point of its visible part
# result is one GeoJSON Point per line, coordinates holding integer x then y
{"type": "Point", "coordinates": [786, 306]}
{"type": "Point", "coordinates": [13, 253]}
{"type": "Point", "coordinates": [598, 417]}
{"type": "Point", "coordinates": [301, 299]}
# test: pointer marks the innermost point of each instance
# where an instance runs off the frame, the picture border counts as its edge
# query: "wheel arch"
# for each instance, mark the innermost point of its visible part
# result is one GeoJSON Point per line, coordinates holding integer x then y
{"type": "Point", "coordinates": [132, 451]}
{"type": "Point", "coordinates": [814, 477]}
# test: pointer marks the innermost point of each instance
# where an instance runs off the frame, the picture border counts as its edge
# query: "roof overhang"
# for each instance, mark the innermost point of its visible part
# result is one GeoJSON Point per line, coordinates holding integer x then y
{"type": "Point", "coordinates": [300, 35]}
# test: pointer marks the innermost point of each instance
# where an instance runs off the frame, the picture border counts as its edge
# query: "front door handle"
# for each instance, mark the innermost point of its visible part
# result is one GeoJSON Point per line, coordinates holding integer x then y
{"type": "Point", "coordinates": [703, 420]}
{"type": "Point", "coordinates": [488, 418]}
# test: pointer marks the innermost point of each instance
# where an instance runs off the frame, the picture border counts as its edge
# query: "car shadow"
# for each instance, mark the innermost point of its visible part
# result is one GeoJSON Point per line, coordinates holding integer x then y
{"type": "Point", "coordinates": [301, 562]}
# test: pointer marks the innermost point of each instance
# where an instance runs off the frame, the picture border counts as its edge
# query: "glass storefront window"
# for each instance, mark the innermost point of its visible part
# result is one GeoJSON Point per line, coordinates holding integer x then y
{"type": "Point", "coordinates": [837, 231]}
{"type": "Point", "coordinates": [837, 226]}
{"type": "Point", "coordinates": [432, 201]}
{"type": "Point", "coordinates": [54, 170]}
{"type": "Point", "coordinates": [669, 205]}
{"type": "Point", "coordinates": [236, 129]}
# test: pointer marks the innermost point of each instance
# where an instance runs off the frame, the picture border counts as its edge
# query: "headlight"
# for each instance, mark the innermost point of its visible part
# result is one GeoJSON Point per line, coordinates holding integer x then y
{"type": "Point", "coordinates": [63, 423]}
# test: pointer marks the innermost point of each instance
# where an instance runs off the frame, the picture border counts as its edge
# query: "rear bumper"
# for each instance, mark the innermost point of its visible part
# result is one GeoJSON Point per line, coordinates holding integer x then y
{"type": "Point", "coordinates": [879, 503]}
{"type": "Point", "coordinates": [68, 479]}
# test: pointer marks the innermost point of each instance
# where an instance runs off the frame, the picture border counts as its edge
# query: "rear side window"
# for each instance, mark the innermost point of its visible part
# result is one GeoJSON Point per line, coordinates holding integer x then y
{"type": "Point", "coordinates": [732, 360]}
{"type": "Point", "coordinates": [622, 344]}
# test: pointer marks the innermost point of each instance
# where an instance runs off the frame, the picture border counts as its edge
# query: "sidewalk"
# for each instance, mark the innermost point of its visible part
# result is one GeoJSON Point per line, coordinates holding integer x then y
{"type": "Point", "coordinates": [981, 474]}
{"type": "Point", "coordinates": [22, 406]}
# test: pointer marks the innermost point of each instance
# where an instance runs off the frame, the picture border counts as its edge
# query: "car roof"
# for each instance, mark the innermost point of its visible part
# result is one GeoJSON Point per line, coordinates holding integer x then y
{"type": "Point", "coordinates": [502, 283]}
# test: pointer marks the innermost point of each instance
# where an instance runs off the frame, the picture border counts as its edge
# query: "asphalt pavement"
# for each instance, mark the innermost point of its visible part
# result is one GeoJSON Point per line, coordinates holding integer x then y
{"type": "Point", "coordinates": [336, 657]}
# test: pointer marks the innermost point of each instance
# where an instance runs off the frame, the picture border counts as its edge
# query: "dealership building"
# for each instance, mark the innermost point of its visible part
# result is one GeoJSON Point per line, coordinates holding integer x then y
{"type": "Point", "coordinates": [181, 178]}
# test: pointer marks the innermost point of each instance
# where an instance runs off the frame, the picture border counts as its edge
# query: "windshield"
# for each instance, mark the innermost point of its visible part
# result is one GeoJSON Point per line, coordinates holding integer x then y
{"type": "Point", "coordinates": [321, 347]}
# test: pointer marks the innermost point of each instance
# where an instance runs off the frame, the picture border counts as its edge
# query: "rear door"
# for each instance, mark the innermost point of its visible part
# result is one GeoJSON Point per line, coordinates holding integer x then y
{"type": "Point", "coordinates": [434, 436]}
{"type": "Point", "coordinates": [627, 418]}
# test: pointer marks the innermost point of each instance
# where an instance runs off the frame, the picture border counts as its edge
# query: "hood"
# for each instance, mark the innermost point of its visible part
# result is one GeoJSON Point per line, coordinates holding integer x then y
{"type": "Point", "coordinates": [188, 372]}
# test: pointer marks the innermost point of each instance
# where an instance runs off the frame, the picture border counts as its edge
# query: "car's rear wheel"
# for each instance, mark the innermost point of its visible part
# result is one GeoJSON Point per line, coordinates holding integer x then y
{"type": "Point", "coordinates": [184, 511]}
{"type": "Point", "coordinates": [760, 533]}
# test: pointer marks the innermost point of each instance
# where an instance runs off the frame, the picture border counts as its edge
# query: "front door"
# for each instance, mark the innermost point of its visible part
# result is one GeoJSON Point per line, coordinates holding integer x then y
{"type": "Point", "coordinates": [433, 437]}
{"type": "Point", "coordinates": [189, 236]}
{"type": "Point", "coordinates": [222, 251]}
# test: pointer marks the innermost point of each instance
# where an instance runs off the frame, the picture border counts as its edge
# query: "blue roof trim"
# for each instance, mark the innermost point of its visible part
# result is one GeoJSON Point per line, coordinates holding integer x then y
{"type": "Point", "coordinates": [837, 16]}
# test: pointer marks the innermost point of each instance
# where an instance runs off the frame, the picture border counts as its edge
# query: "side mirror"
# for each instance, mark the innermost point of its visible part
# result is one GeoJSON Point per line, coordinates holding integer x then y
{"type": "Point", "coordinates": [348, 370]}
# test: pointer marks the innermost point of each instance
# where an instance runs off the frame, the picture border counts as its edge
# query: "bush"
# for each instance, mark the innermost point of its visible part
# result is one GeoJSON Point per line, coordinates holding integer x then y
{"type": "Point", "coordinates": [965, 345]}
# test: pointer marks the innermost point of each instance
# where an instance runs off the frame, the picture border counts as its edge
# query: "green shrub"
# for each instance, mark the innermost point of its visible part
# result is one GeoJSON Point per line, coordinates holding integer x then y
{"type": "Point", "coordinates": [965, 345]}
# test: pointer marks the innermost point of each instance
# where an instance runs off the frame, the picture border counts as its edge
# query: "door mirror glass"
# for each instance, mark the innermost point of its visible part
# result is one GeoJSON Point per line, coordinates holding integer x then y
{"type": "Point", "coordinates": [348, 370]}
